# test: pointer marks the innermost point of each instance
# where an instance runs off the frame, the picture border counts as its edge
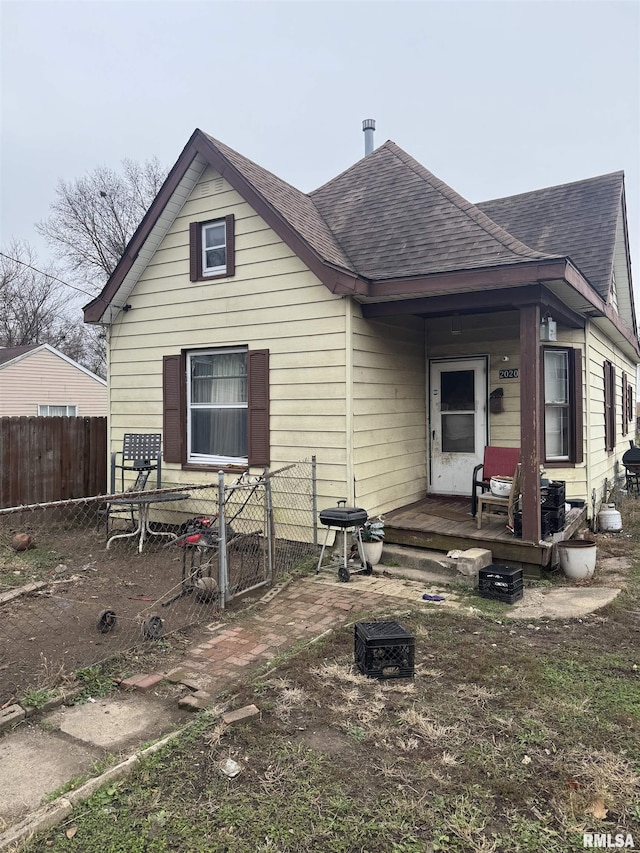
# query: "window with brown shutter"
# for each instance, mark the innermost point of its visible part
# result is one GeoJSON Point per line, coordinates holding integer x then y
{"type": "Point", "coordinates": [212, 249]}
{"type": "Point", "coordinates": [625, 404]}
{"type": "Point", "coordinates": [216, 407]}
{"type": "Point", "coordinates": [563, 404]}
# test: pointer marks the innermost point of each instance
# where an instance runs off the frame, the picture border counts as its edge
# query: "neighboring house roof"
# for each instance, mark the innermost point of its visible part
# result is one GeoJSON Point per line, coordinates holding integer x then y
{"type": "Point", "coordinates": [577, 219]}
{"type": "Point", "coordinates": [10, 355]}
{"type": "Point", "coordinates": [395, 219]}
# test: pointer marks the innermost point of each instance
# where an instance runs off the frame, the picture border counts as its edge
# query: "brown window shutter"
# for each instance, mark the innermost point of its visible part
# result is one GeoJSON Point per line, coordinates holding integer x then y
{"type": "Point", "coordinates": [174, 408]}
{"type": "Point", "coordinates": [258, 405]}
{"type": "Point", "coordinates": [578, 438]}
{"type": "Point", "coordinates": [625, 402]}
{"type": "Point", "coordinates": [229, 222]}
{"type": "Point", "coordinates": [609, 405]}
{"type": "Point", "coordinates": [195, 251]}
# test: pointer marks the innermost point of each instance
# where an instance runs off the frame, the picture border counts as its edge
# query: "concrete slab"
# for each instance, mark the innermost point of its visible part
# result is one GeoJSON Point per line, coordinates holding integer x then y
{"type": "Point", "coordinates": [563, 603]}
{"type": "Point", "coordinates": [115, 724]}
{"type": "Point", "coordinates": [34, 763]}
{"type": "Point", "coordinates": [409, 590]}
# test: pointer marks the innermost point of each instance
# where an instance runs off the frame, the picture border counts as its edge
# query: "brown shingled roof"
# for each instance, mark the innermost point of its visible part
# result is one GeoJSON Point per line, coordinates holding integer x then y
{"type": "Point", "coordinates": [577, 220]}
{"type": "Point", "coordinates": [393, 219]}
{"type": "Point", "coordinates": [296, 207]}
{"type": "Point", "coordinates": [9, 353]}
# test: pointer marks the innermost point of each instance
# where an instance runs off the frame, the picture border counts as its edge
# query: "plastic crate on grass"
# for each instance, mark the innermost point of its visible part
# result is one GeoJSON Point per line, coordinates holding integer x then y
{"type": "Point", "coordinates": [384, 650]}
{"type": "Point", "coordinates": [502, 583]}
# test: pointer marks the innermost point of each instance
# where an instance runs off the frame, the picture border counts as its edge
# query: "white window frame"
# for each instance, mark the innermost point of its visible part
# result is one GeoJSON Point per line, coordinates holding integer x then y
{"type": "Point", "coordinates": [203, 458]}
{"type": "Point", "coordinates": [221, 268]}
{"type": "Point", "coordinates": [44, 410]}
{"type": "Point", "coordinates": [565, 406]}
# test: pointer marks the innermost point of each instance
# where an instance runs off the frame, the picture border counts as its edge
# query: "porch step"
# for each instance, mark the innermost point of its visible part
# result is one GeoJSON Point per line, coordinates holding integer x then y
{"type": "Point", "coordinates": [431, 567]}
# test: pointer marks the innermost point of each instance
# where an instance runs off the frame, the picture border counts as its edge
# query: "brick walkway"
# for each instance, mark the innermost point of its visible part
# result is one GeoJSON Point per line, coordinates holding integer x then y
{"type": "Point", "coordinates": [303, 610]}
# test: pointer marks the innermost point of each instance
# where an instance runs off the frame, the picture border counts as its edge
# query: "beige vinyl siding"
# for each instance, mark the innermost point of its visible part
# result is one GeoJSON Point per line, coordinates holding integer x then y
{"type": "Point", "coordinates": [603, 464]}
{"type": "Point", "coordinates": [389, 424]}
{"type": "Point", "coordinates": [273, 301]}
{"type": "Point", "coordinates": [44, 378]}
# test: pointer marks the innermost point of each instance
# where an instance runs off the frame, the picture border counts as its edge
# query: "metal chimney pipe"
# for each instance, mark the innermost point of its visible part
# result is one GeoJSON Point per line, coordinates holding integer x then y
{"type": "Point", "coordinates": [368, 126]}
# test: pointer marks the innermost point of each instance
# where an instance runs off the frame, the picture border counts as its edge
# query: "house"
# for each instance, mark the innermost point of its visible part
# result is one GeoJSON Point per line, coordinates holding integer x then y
{"type": "Point", "coordinates": [38, 379]}
{"type": "Point", "coordinates": [382, 323]}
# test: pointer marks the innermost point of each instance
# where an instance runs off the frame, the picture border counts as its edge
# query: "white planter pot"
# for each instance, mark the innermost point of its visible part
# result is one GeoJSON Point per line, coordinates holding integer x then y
{"type": "Point", "coordinates": [577, 558]}
{"type": "Point", "coordinates": [373, 552]}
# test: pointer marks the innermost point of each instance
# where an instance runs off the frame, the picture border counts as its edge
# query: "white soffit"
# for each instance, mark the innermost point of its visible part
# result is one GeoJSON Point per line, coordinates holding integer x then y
{"type": "Point", "coordinates": [164, 222]}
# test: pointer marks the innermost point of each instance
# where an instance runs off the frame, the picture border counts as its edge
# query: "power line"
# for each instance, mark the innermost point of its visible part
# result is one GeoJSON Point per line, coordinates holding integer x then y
{"type": "Point", "coordinates": [48, 275]}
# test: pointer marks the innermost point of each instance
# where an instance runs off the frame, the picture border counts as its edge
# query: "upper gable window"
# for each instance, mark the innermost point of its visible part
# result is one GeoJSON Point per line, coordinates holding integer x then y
{"type": "Point", "coordinates": [212, 249]}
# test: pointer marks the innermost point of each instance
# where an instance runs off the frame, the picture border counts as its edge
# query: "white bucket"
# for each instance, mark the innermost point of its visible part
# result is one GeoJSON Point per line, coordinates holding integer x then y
{"type": "Point", "coordinates": [609, 518]}
{"type": "Point", "coordinates": [577, 558]}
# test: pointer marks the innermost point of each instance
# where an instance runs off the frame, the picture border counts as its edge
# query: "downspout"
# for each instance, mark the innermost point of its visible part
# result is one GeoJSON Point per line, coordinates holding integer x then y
{"type": "Point", "coordinates": [348, 400]}
{"type": "Point", "coordinates": [107, 344]}
{"type": "Point", "coordinates": [587, 371]}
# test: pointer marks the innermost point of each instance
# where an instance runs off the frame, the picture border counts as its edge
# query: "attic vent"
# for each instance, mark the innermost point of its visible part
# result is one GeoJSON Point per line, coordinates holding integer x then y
{"type": "Point", "coordinates": [211, 187]}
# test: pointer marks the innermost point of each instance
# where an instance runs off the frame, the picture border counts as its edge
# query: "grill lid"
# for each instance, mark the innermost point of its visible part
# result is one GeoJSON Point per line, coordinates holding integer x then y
{"type": "Point", "coordinates": [632, 456]}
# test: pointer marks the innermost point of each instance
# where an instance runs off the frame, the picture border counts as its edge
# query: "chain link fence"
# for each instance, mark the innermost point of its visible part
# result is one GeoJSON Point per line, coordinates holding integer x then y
{"type": "Point", "coordinates": [84, 580]}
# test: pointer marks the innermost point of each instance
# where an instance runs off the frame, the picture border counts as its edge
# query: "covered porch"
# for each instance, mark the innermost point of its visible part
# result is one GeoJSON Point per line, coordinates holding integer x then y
{"type": "Point", "coordinates": [446, 524]}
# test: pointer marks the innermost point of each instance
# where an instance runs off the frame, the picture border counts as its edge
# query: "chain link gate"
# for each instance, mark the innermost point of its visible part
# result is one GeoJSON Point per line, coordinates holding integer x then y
{"type": "Point", "coordinates": [68, 602]}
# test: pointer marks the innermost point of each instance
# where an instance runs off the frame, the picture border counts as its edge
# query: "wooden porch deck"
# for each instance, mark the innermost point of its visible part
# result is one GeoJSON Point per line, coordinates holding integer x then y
{"type": "Point", "coordinates": [446, 524]}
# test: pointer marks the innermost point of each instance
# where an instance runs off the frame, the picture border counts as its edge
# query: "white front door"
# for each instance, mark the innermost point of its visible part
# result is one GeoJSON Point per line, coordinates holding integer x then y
{"type": "Point", "coordinates": [458, 423]}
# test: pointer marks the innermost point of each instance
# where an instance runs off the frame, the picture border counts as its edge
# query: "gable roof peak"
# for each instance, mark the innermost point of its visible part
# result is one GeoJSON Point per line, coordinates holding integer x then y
{"type": "Point", "coordinates": [609, 178]}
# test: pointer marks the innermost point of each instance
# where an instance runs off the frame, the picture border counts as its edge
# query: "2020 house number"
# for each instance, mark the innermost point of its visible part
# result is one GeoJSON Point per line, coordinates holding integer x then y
{"type": "Point", "coordinates": [512, 373]}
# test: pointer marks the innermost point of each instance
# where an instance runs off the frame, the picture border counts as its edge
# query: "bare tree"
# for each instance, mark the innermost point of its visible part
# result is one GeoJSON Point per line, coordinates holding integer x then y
{"type": "Point", "coordinates": [32, 303]}
{"type": "Point", "coordinates": [94, 217]}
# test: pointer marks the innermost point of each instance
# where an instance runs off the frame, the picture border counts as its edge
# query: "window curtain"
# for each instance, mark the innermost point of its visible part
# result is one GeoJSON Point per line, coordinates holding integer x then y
{"type": "Point", "coordinates": [219, 404]}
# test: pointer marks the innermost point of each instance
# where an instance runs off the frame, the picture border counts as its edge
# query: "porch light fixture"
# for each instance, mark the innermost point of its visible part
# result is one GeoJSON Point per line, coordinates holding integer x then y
{"type": "Point", "coordinates": [456, 327]}
{"type": "Point", "coordinates": [548, 328]}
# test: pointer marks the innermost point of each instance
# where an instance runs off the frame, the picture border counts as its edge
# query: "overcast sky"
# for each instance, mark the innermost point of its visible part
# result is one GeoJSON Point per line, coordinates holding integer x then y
{"type": "Point", "coordinates": [495, 98]}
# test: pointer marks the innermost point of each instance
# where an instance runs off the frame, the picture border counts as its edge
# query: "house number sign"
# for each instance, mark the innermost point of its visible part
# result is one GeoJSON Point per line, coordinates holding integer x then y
{"type": "Point", "coordinates": [512, 373]}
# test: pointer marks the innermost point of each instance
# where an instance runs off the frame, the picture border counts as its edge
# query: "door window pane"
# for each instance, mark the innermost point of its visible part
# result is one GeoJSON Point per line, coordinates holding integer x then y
{"type": "Point", "coordinates": [458, 433]}
{"type": "Point", "coordinates": [457, 390]}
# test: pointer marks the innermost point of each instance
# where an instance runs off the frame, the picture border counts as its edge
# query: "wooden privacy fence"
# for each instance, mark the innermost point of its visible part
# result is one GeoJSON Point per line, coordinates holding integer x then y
{"type": "Point", "coordinates": [51, 459]}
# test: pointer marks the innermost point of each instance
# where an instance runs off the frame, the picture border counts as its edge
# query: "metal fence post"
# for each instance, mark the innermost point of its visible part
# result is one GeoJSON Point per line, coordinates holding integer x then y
{"type": "Point", "coordinates": [269, 522]}
{"type": "Point", "coordinates": [314, 500]}
{"type": "Point", "coordinates": [223, 575]}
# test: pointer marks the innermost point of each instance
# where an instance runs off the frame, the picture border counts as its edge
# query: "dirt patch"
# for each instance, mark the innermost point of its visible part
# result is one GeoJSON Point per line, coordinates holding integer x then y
{"type": "Point", "coordinates": [55, 630]}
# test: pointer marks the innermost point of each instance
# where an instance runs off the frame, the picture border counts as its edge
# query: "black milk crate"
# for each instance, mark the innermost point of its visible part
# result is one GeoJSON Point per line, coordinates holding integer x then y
{"type": "Point", "coordinates": [502, 583]}
{"type": "Point", "coordinates": [553, 495]}
{"type": "Point", "coordinates": [551, 521]}
{"type": "Point", "coordinates": [554, 518]}
{"type": "Point", "coordinates": [384, 650]}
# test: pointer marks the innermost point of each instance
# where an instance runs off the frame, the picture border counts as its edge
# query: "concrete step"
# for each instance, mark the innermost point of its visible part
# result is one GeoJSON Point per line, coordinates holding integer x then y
{"type": "Point", "coordinates": [432, 567]}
